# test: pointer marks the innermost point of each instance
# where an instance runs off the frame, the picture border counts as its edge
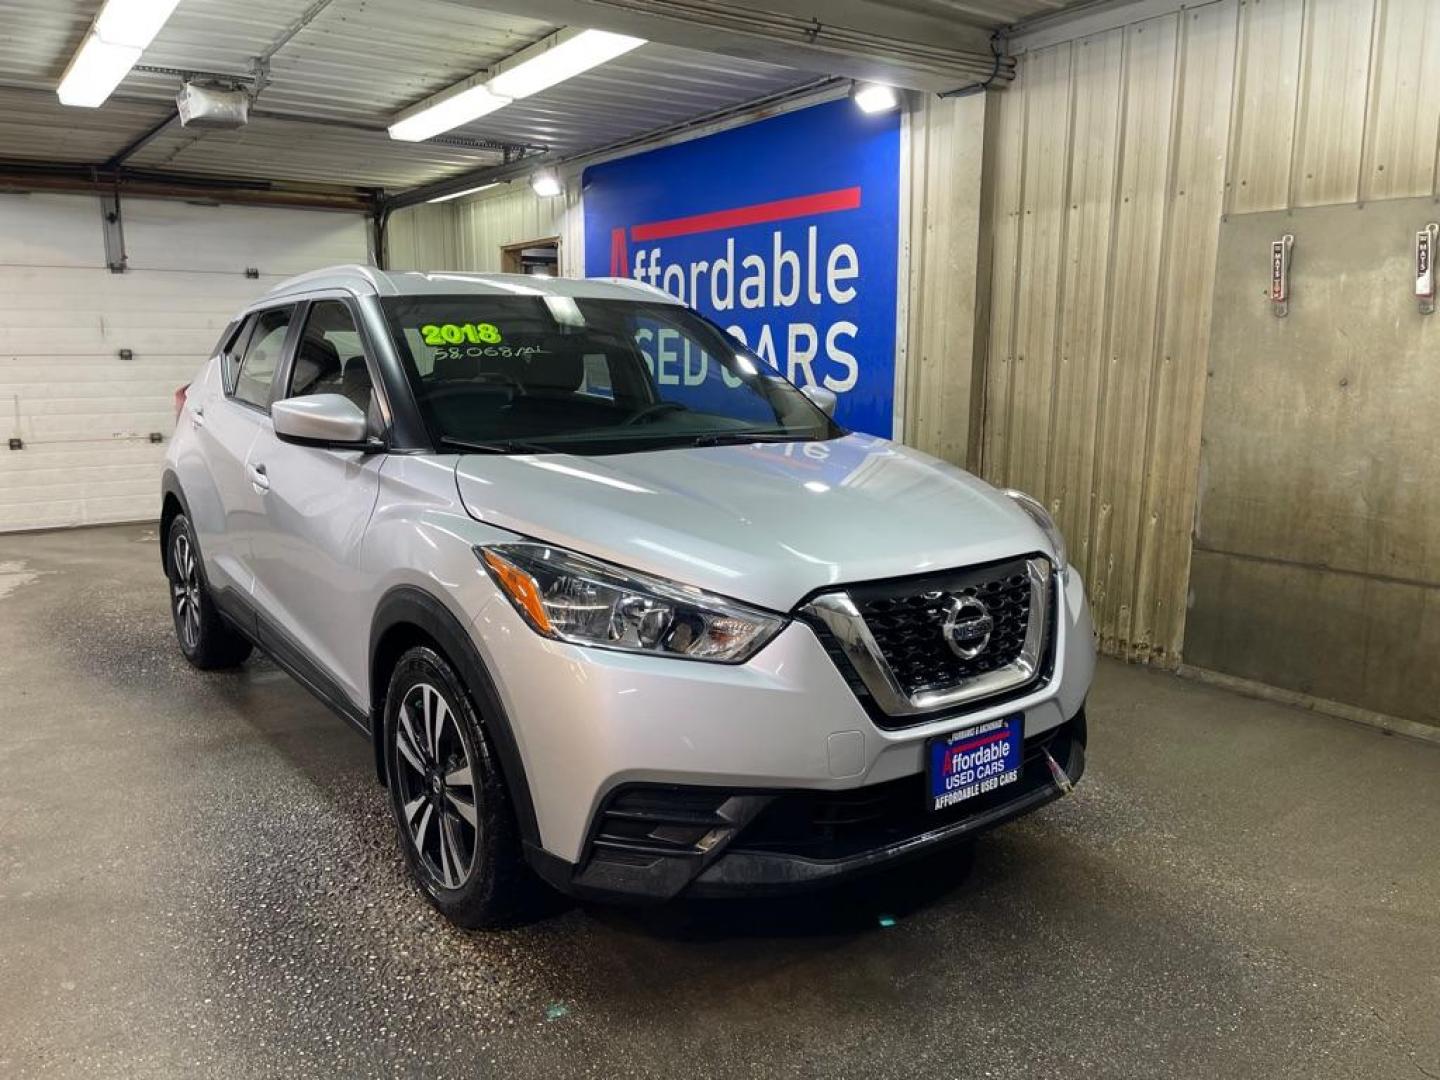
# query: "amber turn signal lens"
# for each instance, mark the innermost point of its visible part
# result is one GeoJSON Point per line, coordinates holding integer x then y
{"type": "Point", "coordinates": [521, 587]}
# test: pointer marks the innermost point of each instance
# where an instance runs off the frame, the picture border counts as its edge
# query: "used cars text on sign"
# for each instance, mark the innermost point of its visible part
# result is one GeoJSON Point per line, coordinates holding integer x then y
{"type": "Point", "coordinates": [785, 232]}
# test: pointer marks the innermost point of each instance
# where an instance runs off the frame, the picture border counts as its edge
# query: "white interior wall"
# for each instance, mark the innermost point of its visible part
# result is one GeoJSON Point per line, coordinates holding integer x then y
{"type": "Point", "coordinates": [468, 234]}
{"type": "Point", "coordinates": [85, 416]}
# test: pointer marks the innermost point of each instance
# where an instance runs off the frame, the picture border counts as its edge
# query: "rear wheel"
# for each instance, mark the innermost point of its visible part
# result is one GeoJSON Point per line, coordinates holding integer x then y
{"type": "Point", "coordinates": [206, 639]}
{"type": "Point", "coordinates": [456, 825]}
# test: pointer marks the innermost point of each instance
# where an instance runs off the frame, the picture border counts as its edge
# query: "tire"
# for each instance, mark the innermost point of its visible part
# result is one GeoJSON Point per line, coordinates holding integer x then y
{"type": "Point", "coordinates": [205, 638]}
{"type": "Point", "coordinates": [453, 814]}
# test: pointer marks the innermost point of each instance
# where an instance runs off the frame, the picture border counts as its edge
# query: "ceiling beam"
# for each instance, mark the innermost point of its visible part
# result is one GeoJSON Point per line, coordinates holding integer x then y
{"type": "Point", "coordinates": [27, 176]}
{"type": "Point", "coordinates": [1085, 19]}
{"type": "Point", "coordinates": [855, 39]}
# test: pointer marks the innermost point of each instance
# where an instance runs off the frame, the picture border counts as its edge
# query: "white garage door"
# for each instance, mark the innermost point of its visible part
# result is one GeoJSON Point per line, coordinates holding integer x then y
{"type": "Point", "coordinates": [84, 416]}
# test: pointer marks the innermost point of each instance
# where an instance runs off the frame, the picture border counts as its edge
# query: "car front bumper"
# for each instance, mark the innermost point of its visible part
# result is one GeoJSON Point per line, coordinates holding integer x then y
{"type": "Point", "coordinates": [742, 756]}
{"type": "Point", "coordinates": [758, 843]}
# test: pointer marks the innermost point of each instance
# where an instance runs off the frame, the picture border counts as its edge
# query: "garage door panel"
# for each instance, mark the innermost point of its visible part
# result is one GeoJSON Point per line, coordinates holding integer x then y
{"type": "Point", "coordinates": [49, 487]}
{"type": "Point", "coordinates": [51, 230]}
{"type": "Point", "coordinates": [48, 397]}
{"type": "Point", "coordinates": [224, 239]}
{"type": "Point", "coordinates": [85, 415]}
{"type": "Point", "coordinates": [58, 288]}
{"type": "Point", "coordinates": [93, 340]}
{"type": "Point", "coordinates": [110, 482]}
{"type": "Point", "coordinates": [61, 421]}
{"type": "Point", "coordinates": [154, 342]}
{"type": "Point", "coordinates": [80, 463]}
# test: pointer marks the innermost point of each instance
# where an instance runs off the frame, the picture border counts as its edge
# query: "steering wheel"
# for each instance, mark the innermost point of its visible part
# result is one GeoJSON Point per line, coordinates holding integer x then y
{"type": "Point", "coordinates": [649, 412]}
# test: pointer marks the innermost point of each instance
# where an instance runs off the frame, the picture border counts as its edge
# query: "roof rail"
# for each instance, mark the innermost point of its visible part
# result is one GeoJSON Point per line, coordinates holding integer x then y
{"type": "Point", "coordinates": [640, 286]}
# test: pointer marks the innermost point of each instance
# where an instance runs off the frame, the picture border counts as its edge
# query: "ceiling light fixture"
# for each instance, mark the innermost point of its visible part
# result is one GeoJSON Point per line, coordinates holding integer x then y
{"type": "Point", "coordinates": [874, 97]}
{"type": "Point", "coordinates": [112, 46]}
{"type": "Point", "coordinates": [133, 22]}
{"type": "Point", "coordinates": [466, 191]}
{"type": "Point", "coordinates": [555, 62]}
{"type": "Point", "coordinates": [430, 118]}
{"type": "Point", "coordinates": [561, 56]}
{"type": "Point", "coordinates": [546, 184]}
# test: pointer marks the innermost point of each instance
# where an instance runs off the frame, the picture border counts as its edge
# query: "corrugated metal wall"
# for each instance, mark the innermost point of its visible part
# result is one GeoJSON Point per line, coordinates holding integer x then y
{"type": "Point", "coordinates": [946, 264]}
{"type": "Point", "coordinates": [1116, 155]}
{"type": "Point", "coordinates": [467, 234]}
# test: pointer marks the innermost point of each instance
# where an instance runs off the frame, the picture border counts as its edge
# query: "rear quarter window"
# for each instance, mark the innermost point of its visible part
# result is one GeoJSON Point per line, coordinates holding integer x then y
{"type": "Point", "coordinates": [229, 349]}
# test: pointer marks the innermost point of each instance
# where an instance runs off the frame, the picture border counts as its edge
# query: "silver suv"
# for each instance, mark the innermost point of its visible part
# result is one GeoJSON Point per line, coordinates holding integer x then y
{"type": "Point", "coordinates": [616, 604]}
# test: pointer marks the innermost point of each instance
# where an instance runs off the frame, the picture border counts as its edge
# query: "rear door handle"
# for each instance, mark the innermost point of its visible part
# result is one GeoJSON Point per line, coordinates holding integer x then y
{"type": "Point", "coordinates": [258, 477]}
{"type": "Point", "coordinates": [197, 416]}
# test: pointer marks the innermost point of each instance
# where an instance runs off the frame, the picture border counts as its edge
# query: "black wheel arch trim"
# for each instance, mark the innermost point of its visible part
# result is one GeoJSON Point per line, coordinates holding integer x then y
{"type": "Point", "coordinates": [413, 606]}
{"type": "Point", "coordinates": [170, 486]}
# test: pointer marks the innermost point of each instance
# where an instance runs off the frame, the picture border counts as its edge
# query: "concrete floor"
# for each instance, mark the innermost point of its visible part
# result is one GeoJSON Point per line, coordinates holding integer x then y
{"type": "Point", "coordinates": [198, 877]}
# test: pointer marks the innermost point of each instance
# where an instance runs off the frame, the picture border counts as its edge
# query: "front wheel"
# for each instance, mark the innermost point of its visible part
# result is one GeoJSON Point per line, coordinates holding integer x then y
{"type": "Point", "coordinates": [456, 825]}
{"type": "Point", "coordinates": [206, 639]}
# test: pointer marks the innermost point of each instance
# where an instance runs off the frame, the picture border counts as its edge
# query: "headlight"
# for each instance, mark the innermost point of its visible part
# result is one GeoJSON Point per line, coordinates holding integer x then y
{"type": "Point", "coordinates": [1041, 517]}
{"type": "Point", "coordinates": [572, 598]}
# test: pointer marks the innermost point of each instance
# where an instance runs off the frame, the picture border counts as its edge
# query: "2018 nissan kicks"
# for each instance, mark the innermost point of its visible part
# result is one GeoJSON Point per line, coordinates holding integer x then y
{"type": "Point", "coordinates": [614, 602]}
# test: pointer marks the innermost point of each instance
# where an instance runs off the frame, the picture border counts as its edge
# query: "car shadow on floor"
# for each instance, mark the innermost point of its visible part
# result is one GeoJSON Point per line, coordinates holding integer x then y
{"type": "Point", "coordinates": [329, 756]}
{"type": "Point", "coordinates": [874, 902]}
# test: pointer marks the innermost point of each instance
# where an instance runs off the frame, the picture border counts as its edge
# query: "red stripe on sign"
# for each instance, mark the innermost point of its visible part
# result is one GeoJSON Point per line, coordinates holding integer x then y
{"type": "Point", "coordinates": [825, 202]}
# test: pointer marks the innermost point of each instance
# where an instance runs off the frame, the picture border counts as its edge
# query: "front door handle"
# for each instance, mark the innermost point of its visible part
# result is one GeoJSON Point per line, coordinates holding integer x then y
{"type": "Point", "coordinates": [258, 477]}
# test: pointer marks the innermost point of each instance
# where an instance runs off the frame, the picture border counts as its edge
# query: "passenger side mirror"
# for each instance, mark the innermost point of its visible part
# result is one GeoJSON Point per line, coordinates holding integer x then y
{"type": "Point", "coordinates": [321, 420]}
{"type": "Point", "coordinates": [822, 399]}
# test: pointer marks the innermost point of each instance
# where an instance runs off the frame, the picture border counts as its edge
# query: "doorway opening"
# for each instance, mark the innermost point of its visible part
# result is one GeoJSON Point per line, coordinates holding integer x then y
{"type": "Point", "coordinates": [532, 257]}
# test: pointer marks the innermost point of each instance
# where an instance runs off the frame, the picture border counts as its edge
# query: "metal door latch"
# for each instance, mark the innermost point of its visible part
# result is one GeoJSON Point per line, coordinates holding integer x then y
{"type": "Point", "coordinates": [1425, 268]}
{"type": "Point", "coordinates": [1280, 275]}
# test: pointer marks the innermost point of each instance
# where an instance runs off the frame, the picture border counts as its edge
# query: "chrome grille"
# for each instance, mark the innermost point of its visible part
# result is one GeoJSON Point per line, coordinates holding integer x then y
{"type": "Point", "coordinates": [908, 626]}
{"type": "Point", "coordinates": [913, 645]}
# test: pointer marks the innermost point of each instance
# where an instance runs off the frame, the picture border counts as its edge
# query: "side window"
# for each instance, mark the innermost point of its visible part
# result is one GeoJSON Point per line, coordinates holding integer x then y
{"type": "Point", "coordinates": [262, 355]}
{"type": "Point", "coordinates": [232, 342]}
{"type": "Point", "coordinates": [329, 358]}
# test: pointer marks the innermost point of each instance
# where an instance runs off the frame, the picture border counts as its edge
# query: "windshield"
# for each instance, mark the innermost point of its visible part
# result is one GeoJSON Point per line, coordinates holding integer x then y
{"type": "Point", "coordinates": [548, 373]}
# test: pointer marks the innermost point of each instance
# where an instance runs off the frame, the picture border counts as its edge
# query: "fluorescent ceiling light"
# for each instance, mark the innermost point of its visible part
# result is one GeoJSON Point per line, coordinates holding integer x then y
{"type": "Point", "coordinates": [563, 60]}
{"type": "Point", "coordinates": [561, 56]}
{"type": "Point", "coordinates": [133, 22]}
{"type": "Point", "coordinates": [467, 191]}
{"type": "Point", "coordinates": [95, 70]}
{"type": "Point", "coordinates": [546, 184]}
{"type": "Point", "coordinates": [120, 33]}
{"type": "Point", "coordinates": [875, 97]}
{"type": "Point", "coordinates": [431, 119]}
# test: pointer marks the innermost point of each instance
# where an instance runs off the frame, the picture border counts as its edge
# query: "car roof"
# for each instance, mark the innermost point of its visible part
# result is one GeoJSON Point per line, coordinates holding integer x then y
{"type": "Point", "coordinates": [371, 281]}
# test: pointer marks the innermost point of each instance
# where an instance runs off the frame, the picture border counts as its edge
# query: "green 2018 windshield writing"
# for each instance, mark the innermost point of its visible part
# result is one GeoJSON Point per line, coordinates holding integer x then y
{"type": "Point", "coordinates": [460, 333]}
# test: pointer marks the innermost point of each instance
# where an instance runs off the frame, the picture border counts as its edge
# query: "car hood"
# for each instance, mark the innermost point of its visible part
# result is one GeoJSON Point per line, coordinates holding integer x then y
{"type": "Point", "coordinates": [766, 523]}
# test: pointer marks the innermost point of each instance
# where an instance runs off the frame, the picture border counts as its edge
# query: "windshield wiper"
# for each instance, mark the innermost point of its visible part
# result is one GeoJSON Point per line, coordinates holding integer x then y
{"type": "Point", "coordinates": [499, 446]}
{"type": "Point", "coordinates": [737, 438]}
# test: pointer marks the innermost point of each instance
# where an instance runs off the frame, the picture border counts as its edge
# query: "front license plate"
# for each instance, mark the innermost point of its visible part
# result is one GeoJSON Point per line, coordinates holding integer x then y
{"type": "Point", "coordinates": [974, 761]}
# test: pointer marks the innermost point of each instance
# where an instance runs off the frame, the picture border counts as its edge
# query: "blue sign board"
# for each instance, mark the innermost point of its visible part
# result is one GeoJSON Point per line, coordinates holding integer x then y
{"type": "Point", "coordinates": [784, 231]}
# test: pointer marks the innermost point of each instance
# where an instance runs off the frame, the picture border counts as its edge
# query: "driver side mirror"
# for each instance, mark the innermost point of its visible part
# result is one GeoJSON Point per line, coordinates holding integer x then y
{"type": "Point", "coordinates": [822, 399]}
{"type": "Point", "coordinates": [331, 420]}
